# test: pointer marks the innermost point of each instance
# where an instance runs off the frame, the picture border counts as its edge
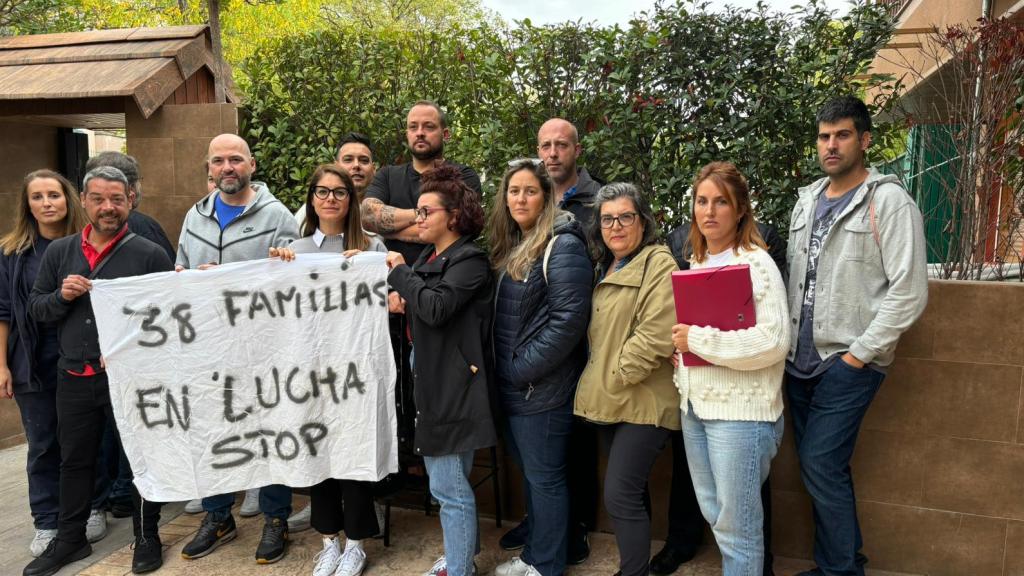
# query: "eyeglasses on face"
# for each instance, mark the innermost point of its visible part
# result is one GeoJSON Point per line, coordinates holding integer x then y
{"type": "Point", "coordinates": [322, 192]}
{"type": "Point", "coordinates": [626, 219]}
{"type": "Point", "coordinates": [425, 212]}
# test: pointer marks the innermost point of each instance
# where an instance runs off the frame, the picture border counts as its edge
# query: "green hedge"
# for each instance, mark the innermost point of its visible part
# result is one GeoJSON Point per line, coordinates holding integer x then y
{"type": "Point", "coordinates": [680, 87]}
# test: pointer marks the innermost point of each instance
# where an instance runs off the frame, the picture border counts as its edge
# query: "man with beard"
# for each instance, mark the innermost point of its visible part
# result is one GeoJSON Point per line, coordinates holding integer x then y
{"type": "Point", "coordinates": [389, 210]}
{"type": "Point", "coordinates": [105, 249]}
{"type": "Point", "coordinates": [389, 206]}
{"type": "Point", "coordinates": [558, 146]}
{"type": "Point", "coordinates": [857, 280]}
{"type": "Point", "coordinates": [239, 220]}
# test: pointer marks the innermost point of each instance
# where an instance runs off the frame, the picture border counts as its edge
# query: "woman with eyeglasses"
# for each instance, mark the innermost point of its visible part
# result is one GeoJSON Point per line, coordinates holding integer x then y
{"type": "Point", "coordinates": [627, 387]}
{"type": "Point", "coordinates": [543, 303]}
{"type": "Point", "coordinates": [447, 296]}
{"type": "Point", "coordinates": [47, 209]}
{"type": "Point", "coordinates": [732, 410]}
{"type": "Point", "coordinates": [333, 225]}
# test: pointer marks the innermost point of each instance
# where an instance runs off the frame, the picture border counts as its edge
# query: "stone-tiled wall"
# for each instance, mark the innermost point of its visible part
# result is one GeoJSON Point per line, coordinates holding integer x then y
{"type": "Point", "coordinates": [939, 465]}
{"type": "Point", "coordinates": [171, 148]}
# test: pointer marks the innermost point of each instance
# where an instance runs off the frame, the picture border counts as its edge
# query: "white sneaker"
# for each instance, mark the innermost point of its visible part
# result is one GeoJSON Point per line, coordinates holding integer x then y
{"type": "Point", "coordinates": [326, 561]}
{"type": "Point", "coordinates": [440, 565]}
{"type": "Point", "coordinates": [515, 567]}
{"type": "Point", "coordinates": [96, 527]}
{"type": "Point", "coordinates": [194, 506]}
{"type": "Point", "coordinates": [353, 560]}
{"type": "Point", "coordinates": [300, 520]}
{"type": "Point", "coordinates": [41, 541]}
{"type": "Point", "coordinates": [251, 504]}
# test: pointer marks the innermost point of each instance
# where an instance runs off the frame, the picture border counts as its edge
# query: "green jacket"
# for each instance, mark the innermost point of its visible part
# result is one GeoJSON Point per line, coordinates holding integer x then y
{"type": "Point", "coordinates": [628, 377]}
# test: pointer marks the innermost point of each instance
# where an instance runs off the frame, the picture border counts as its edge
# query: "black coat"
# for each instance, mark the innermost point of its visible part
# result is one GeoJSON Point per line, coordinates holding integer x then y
{"type": "Point", "coordinates": [540, 364]}
{"type": "Point", "coordinates": [449, 302]}
{"type": "Point", "coordinates": [23, 331]}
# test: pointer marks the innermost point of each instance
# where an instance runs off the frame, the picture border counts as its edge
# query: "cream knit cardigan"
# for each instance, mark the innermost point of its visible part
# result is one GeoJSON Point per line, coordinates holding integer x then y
{"type": "Point", "coordinates": [745, 382]}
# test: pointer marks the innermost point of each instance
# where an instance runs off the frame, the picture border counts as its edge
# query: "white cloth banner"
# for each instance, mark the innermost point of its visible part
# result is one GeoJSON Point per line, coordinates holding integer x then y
{"type": "Point", "coordinates": [248, 374]}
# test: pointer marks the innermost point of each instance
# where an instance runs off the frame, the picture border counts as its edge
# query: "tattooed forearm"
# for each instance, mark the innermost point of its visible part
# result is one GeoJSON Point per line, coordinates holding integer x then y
{"type": "Point", "coordinates": [383, 219]}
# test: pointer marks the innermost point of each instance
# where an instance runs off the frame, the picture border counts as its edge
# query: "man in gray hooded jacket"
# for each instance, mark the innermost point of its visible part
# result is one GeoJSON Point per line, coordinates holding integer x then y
{"type": "Point", "coordinates": [239, 220]}
{"type": "Point", "coordinates": [857, 280]}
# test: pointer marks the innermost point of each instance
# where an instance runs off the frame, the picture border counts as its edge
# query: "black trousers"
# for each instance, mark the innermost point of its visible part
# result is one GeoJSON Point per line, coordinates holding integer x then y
{"type": "Point", "coordinates": [632, 450]}
{"type": "Point", "coordinates": [582, 463]}
{"type": "Point", "coordinates": [685, 521]}
{"type": "Point", "coordinates": [83, 407]}
{"type": "Point", "coordinates": [343, 506]}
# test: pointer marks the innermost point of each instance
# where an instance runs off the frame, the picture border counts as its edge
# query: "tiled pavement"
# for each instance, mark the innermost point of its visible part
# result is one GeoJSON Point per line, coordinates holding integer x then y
{"type": "Point", "coordinates": [415, 544]}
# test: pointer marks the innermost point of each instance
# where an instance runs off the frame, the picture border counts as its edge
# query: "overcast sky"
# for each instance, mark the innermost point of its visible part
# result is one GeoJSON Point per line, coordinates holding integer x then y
{"type": "Point", "coordinates": [607, 12]}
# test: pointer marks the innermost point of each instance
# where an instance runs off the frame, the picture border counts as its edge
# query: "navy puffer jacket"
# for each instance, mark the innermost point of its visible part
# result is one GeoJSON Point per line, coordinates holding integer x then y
{"type": "Point", "coordinates": [540, 326]}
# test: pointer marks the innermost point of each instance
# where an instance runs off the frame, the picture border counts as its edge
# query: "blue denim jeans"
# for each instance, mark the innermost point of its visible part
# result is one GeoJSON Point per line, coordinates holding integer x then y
{"type": "Point", "coordinates": [827, 412]}
{"type": "Point", "coordinates": [729, 460]}
{"type": "Point", "coordinates": [538, 443]}
{"type": "Point", "coordinates": [449, 483]}
{"type": "Point", "coordinates": [275, 502]}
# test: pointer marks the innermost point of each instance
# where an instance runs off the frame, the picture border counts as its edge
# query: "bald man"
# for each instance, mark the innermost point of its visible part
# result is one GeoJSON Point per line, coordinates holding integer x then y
{"type": "Point", "coordinates": [239, 220]}
{"type": "Point", "coordinates": [558, 146]}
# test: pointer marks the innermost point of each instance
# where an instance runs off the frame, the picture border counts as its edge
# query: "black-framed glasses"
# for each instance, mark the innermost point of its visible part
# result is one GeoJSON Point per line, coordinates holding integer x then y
{"type": "Point", "coordinates": [626, 219]}
{"type": "Point", "coordinates": [322, 192]}
{"type": "Point", "coordinates": [425, 212]}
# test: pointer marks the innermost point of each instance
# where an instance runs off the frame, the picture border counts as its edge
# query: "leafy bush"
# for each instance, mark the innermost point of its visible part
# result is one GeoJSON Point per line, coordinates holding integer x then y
{"type": "Point", "coordinates": [680, 87]}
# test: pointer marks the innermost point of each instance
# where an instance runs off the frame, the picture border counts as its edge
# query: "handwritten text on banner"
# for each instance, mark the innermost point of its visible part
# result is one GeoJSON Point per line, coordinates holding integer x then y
{"type": "Point", "coordinates": [248, 374]}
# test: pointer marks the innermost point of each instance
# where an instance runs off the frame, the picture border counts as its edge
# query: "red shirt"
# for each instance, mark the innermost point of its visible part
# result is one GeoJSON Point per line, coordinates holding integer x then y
{"type": "Point", "coordinates": [93, 258]}
{"type": "Point", "coordinates": [91, 255]}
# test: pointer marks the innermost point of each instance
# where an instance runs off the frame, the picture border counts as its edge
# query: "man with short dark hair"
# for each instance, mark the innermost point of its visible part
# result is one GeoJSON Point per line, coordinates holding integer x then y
{"type": "Point", "coordinates": [558, 146]}
{"type": "Point", "coordinates": [105, 249]}
{"type": "Point", "coordinates": [239, 220]}
{"type": "Point", "coordinates": [857, 280]}
{"type": "Point", "coordinates": [139, 223]}
{"type": "Point", "coordinates": [389, 209]}
{"type": "Point", "coordinates": [389, 206]}
{"type": "Point", "coordinates": [354, 153]}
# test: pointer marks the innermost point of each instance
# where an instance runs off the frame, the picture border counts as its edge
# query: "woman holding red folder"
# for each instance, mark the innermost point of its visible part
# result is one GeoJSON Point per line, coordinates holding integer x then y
{"type": "Point", "coordinates": [732, 410]}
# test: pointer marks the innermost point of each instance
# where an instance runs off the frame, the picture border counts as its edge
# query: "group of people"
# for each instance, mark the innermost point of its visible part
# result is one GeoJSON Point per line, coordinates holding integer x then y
{"type": "Point", "coordinates": [559, 336]}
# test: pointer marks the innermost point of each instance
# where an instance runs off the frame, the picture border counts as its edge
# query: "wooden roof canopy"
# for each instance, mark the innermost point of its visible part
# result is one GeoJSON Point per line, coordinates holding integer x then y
{"type": "Point", "coordinates": [87, 79]}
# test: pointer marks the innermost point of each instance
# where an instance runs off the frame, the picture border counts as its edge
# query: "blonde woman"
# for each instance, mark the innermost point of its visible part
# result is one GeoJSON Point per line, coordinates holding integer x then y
{"type": "Point", "coordinates": [48, 209]}
{"type": "Point", "coordinates": [542, 308]}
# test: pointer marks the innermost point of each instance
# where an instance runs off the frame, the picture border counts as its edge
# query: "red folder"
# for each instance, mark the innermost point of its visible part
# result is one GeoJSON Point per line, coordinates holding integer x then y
{"type": "Point", "coordinates": [719, 297]}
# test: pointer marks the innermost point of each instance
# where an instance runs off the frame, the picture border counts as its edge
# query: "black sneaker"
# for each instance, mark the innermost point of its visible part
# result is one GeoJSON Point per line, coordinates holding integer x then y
{"type": "Point", "coordinates": [670, 558]}
{"type": "Point", "coordinates": [515, 538]}
{"type": "Point", "coordinates": [56, 556]}
{"type": "Point", "coordinates": [148, 554]}
{"type": "Point", "coordinates": [273, 541]}
{"type": "Point", "coordinates": [121, 508]}
{"type": "Point", "coordinates": [211, 534]}
{"type": "Point", "coordinates": [579, 547]}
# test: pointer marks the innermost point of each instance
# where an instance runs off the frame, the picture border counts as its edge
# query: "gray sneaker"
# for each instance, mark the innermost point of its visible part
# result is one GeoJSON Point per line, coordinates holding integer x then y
{"type": "Point", "coordinates": [96, 527]}
{"type": "Point", "coordinates": [251, 503]}
{"type": "Point", "coordinates": [41, 541]}
{"type": "Point", "coordinates": [194, 506]}
{"type": "Point", "coordinates": [300, 520]}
